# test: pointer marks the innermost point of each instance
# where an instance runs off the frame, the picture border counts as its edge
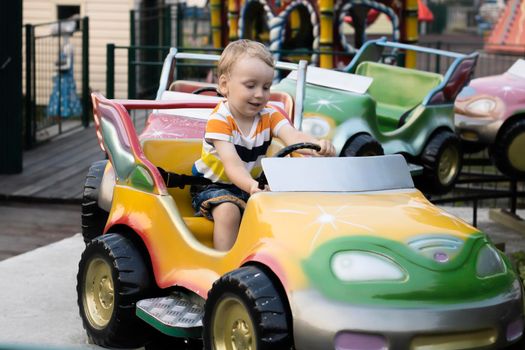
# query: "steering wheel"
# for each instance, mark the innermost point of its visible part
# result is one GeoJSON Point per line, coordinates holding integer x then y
{"type": "Point", "coordinates": [207, 89]}
{"type": "Point", "coordinates": [283, 153]}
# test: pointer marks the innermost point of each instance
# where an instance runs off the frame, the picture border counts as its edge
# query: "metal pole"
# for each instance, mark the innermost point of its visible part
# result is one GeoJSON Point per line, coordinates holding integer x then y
{"type": "Point", "coordinates": [475, 213]}
{"type": "Point", "coordinates": [180, 27]}
{"type": "Point", "coordinates": [132, 56]}
{"type": "Point", "coordinates": [86, 102]}
{"type": "Point", "coordinates": [110, 71]}
{"type": "Point", "coordinates": [29, 90]}
{"type": "Point", "coordinates": [11, 86]}
{"type": "Point", "coordinates": [514, 196]}
{"type": "Point", "coordinates": [299, 94]}
{"type": "Point", "coordinates": [132, 91]}
{"type": "Point", "coordinates": [438, 58]}
{"type": "Point", "coordinates": [59, 77]}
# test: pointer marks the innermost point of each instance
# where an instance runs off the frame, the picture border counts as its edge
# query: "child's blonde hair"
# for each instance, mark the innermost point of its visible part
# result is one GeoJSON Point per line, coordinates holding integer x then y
{"type": "Point", "coordinates": [240, 48]}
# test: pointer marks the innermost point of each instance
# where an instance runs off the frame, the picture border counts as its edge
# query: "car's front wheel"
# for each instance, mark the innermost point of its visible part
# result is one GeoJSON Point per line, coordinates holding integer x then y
{"type": "Point", "coordinates": [112, 277]}
{"type": "Point", "coordinates": [245, 310]}
{"type": "Point", "coordinates": [93, 216]}
{"type": "Point", "coordinates": [442, 160]}
{"type": "Point", "coordinates": [507, 151]}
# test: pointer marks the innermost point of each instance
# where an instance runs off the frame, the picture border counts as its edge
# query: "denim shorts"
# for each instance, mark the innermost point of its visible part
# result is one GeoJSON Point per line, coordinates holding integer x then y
{"type": "Point", "coordinates": [205, 198]}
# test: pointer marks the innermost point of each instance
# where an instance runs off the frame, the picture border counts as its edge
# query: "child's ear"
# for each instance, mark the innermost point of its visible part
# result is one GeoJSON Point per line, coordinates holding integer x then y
{"type": "Point", "coordinates": [223, 85]}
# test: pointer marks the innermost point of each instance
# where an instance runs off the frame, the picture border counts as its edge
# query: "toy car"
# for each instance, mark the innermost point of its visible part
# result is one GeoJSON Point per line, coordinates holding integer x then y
{"type": "Point", "coordinates": [490, 112]}
{"type": "Point", "coordinates": [343, 253]}
{"type": "Point", "coordinates": [408, 111]}
{"type": "Point", "coordinates": [377, 108]}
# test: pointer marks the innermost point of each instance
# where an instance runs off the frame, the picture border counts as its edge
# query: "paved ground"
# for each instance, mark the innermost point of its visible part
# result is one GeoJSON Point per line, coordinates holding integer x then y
{"type": "Point", "coordinates": [26, 226]}
{"type": "Point", "coordinates": [38, 296]}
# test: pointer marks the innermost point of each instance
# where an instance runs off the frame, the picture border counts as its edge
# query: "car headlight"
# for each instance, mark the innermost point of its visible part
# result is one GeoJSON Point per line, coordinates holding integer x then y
{"type": "Point", "coordinates": [481, 106]}
{"type": "Point", "coordinates": [489, 262]}
{"type": "Point", "coordinates": [359, 266]}
{"type": "Point", "coordinates": [316, 126]}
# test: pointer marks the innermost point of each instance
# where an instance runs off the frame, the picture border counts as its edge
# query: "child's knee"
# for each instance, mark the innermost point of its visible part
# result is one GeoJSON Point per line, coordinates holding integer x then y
{"type": "Point", "coordinates": [226, 212]}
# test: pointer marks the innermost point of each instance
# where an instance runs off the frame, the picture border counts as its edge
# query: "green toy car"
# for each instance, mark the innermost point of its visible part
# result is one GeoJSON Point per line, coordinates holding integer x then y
{"type": "Point", "coordinates": [405, 111]}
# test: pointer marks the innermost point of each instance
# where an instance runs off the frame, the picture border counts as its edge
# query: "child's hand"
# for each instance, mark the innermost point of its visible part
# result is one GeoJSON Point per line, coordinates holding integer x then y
{"type": "Point", "coordinates": [254, 188]}
{"type": "Point", "coordinates": [327, 149]}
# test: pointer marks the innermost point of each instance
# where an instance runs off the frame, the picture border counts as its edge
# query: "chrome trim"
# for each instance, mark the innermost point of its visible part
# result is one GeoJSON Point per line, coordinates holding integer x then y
{"type": "Point", "coordinates": [317, 319]}
{"type": "Point", "coordinates": [486, 128]}
{"type": "Point", "coordinates": [299, 94]}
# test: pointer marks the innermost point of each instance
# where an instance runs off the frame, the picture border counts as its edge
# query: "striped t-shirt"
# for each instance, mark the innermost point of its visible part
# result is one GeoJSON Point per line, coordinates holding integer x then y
{"type": "Point", "coordinates": [250, 148]}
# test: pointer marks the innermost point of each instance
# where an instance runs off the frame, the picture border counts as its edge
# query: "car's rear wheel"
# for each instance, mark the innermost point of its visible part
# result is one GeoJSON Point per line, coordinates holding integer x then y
{"type": "Point", "coordinates": [245, 310]}
{"type": "Point", "coordinates": [442, 160]}
{"type": "Point", "coordinates": [362, 145]}
{"type": "Point", "coordinates": [112, 277]}
{"type": "Point", "coordinates": [507, 151]}
{"type": "Point", "coordinates": [93, 216]}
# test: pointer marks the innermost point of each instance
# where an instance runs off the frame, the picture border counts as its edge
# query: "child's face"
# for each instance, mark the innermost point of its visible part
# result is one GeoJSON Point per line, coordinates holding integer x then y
{"type": "Point", "coordinates": [247, 87]}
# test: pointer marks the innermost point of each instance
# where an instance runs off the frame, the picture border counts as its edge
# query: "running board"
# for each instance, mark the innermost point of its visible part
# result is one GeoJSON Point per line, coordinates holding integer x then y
{"type": "Point", "coordinates": [177, 315]}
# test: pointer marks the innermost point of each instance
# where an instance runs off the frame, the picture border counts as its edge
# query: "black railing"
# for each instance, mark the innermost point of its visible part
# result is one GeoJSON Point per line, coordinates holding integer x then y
{"type": "Point", "coordinates": [481, 185]}
{"type": "Point", "coordinates": [488, 63]}
{"type": "Point", "coordinates": [47, 71]}
{"type": "Point", "coordinates": [159, 27]}
{"type": "Point", "coordinates": [196, 71]}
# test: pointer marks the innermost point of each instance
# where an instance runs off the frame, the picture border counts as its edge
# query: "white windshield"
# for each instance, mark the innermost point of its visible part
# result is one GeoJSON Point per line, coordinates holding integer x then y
{"type": "Point", "coordinates": [336, 80]}
{"type": "Point", "coordinates": [343, 174]}
{"type": "Point", "coordinates": [518, 68]}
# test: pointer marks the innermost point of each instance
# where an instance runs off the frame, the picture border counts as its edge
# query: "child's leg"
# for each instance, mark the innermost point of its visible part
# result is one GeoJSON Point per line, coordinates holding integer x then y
{"type": "Point", "coordinates": [227, 218]}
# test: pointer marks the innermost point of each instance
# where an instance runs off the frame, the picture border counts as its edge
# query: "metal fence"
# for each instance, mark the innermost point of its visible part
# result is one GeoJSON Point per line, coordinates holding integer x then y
{"type": "Point", "coordinates": [46, 80]}
{"type": "Point", "coordinates": [488, 63]}
{"type": "Point", "coordinates": [188, 70]}
{"type": "Point", "coordinates": [154, 28]}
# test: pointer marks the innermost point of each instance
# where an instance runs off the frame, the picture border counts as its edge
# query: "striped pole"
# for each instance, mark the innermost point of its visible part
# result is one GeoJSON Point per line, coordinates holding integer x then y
{"type": "Point", "coordinates": [216, 25]}
{"type": "Point", "coordinates": [278, 24]}
{"type": "Point", "coordinates": [326, 8]}
{"type": "Point", "coordinates": [409, 30]}
{"type": "Point", "coordinates": [242, 18]}
{"type": "Point", "coordinates": [233, 20]}
{"type": "Point", "coordinates": [342, 9]}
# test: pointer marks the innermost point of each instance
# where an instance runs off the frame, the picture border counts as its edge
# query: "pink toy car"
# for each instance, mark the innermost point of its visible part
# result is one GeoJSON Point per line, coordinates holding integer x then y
{"type": "Point", "coordinates": [490, 111]}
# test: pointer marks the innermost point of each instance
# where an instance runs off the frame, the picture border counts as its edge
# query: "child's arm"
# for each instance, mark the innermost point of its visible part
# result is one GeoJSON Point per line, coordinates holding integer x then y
{"type": "Point", "coordinates": [291, 135]}
{"type": "Point", "coordinates": [234, 167]}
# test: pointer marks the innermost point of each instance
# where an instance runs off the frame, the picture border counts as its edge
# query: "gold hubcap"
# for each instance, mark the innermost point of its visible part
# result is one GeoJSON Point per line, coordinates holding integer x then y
{"type": "Point", "coordinates": [515, 152]}
{"type": "Point", "coordinates": [99, 296]}
{"type": "Point", "coordinates": [448, 165]}
{"type": "Point", "coordinates": [232, 326]}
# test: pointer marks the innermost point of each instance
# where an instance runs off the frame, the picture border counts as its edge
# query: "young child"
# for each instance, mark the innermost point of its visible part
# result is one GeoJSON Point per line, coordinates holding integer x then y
{"type": "Point", "coordinates": [237, 137]}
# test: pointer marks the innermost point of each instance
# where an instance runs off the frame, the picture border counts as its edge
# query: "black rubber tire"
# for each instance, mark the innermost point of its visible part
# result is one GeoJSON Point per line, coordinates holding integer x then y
{"type": "Point", "coordinates": [434, 154]}
{"type": "Point", "coordinates": [93, 217]}
{"type": "Point", "coordinates": [500, 149]}
{"type": "Point", "coordinates": [261, 298]}
{"type": "Point", "coordinates": [362, 145]}
{"type": "Point", "coordinates": [130, 281]}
